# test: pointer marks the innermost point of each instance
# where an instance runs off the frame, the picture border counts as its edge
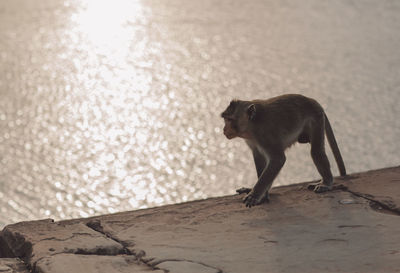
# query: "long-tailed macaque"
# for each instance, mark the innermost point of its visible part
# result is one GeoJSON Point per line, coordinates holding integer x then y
{"type": "Point", "coordinates": [270, 126]}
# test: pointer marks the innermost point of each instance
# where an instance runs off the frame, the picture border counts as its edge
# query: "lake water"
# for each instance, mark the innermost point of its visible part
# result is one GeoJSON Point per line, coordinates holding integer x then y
{"type": "Point", "coordinates": [109, 106]}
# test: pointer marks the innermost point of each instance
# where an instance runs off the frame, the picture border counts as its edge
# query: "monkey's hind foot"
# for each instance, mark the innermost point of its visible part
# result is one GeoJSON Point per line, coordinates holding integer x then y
{"type": "Point", "coordinates": [319, 187]}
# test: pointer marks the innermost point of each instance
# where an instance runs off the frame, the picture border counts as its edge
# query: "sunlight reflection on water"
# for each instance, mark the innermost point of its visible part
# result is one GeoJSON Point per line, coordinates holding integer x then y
{"type": "Point", "coordinates": [113, 105]}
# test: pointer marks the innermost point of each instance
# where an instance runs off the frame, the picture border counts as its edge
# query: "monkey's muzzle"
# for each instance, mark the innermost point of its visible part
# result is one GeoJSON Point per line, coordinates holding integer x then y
{"type": "Point", "coordinates": [229, 134]}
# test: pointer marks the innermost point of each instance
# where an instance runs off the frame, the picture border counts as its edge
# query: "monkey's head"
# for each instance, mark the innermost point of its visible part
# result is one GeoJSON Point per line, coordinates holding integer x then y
{"type": "Point", "coordinates": [237, 117]}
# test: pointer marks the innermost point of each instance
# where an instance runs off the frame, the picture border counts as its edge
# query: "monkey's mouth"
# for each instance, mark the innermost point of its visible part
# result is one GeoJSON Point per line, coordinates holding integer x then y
{"type": "Point", "coordinates": [230, 136]}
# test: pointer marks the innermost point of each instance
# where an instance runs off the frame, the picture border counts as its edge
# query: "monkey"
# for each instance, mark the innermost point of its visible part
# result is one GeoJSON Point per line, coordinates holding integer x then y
{"type": "Point", "coordinates": [269, 127]}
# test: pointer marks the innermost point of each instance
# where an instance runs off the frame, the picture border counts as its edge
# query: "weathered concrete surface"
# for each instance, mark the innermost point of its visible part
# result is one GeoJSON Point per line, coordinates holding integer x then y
{"type": "Point", "coordinates": [12, 265]}
{"type": "Point", "coordinates": [355, 228]}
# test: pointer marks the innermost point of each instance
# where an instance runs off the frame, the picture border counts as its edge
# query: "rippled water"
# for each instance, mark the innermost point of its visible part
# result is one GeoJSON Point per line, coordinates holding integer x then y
{"type": "Point", "coordinates": [113, 105]}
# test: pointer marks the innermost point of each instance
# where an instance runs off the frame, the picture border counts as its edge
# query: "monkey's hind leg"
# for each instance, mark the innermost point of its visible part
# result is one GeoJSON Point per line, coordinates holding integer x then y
{"type": "Point", "coordinates": [319, 157]}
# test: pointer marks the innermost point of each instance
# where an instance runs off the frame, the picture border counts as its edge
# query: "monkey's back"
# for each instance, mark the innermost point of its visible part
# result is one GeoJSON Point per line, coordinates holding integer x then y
{"type": "Point", "coordinates": [286, 116]}
{"type": "Point", "coordinates": [290, 105]}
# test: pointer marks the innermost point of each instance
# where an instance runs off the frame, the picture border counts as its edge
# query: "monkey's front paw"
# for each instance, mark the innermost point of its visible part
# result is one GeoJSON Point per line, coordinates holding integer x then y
{"type": "Point", "coordinates": [250, 200]}
{"type": "Point", "coordinates": [253, 199]}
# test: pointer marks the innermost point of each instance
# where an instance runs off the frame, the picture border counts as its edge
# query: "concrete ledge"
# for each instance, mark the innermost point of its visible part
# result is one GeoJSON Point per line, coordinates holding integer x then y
{"type": "Point", "coordinates": [354, 228]}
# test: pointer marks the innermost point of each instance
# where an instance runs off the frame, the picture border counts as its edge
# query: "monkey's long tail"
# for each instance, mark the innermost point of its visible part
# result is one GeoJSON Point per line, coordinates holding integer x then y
{"type": "Point", "coordinates": [335, 149]}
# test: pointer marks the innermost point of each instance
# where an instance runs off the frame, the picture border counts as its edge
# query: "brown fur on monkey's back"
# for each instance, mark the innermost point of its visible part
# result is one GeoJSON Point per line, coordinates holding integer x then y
{"type": "Point", "coordinates": [291, 103]}
{"type": "Point", "coordinates": [288, 106]}
{"type": "Point", "coordinates": [288, 109]}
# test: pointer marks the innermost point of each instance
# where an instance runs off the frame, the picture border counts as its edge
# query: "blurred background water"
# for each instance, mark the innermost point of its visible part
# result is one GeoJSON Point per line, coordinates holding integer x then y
{"type": "Point", "coordinates": [108, 106]}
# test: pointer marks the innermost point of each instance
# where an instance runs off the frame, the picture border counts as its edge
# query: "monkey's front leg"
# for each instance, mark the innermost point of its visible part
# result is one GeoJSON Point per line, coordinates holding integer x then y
{"type": "Point", "coordinates": [260, 164]}
{"type": "Point", "coordinates": [260, 190]}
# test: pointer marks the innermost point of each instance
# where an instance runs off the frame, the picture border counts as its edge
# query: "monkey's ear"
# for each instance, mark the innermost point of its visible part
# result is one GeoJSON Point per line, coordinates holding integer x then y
{"type": "Point", "coordinates": [251, 112]}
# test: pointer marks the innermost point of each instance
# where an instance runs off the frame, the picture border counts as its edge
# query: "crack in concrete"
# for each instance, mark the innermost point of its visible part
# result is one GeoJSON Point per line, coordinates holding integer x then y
{"type": "Point", "coordinates": [157, 262]}
{"type": "Point", "coordinates": [66, 239]}
{"type": "Point", "coordinates": [139, 254]}
{"type": "Point", "coordinates": [33, 267]}
{"type": "Point", "coordinates": [78, 251]}
{"type": "Point", "coordinates": [351, 226]}
{"type": "Point", "coordinates": [96, 226]}
{"type": "Point", "coordinates": [376, 204]}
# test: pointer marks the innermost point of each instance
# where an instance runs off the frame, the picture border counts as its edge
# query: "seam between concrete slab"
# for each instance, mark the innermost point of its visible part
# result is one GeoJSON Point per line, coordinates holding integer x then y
{"type": "Point", "coordinates": [157, 262]}
{"type": "Point", "coordinates": [78, 252]}
{"type": "Point", "coordinates": [96, 226]}
{"type": "Point", "coordinates": [393, 211]}
{"type": "Point", "coordinates": [66, 239]}
{"type": "Point", "coordinates": [140, 254]}
{"type": "Point", "coordinates": [33, 267]}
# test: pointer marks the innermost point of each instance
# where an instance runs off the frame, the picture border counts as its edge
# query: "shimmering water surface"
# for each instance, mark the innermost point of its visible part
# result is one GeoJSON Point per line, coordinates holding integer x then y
{"type": "Point", "coordinates": [113, 105]}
